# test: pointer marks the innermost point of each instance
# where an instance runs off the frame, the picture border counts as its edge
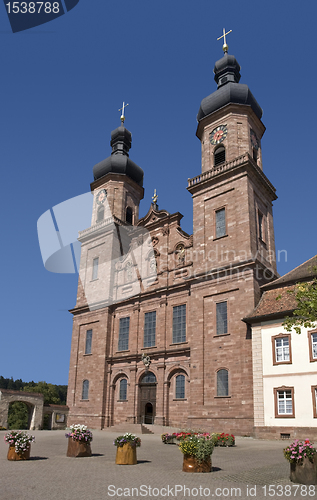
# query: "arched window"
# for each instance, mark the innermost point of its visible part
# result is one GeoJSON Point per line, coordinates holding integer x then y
{"type": "Point", "coordinates": [148, 378]}
{"type": "Point", "coordinates": [85, 392]}
{"type": "Point", "coordinates": [222, 383]}
{"type": "Point", "coordinates": [123, 389]}
{"type": "Point", "coordinates": [100, 213]}
{"type": "Point", "coordinates": [180, 387]}
{"type": "Point", "coordinates": [219, 155]}
{"type": "Point", "coordinates": [129, 215]}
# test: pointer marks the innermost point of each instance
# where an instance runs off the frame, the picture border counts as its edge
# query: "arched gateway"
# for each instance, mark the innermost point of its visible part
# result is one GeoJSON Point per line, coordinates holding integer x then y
{"type": "Point", "coordinates": [147, 398]}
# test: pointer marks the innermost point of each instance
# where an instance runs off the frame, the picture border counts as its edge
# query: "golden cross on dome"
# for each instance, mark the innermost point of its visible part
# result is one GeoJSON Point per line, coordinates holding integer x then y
{"type": "Point", "coordinates": [225, 46]}
{"type": "Point", "coordinates": [122, 117]}
{"type": "Point", "coordinates": [154, 197]}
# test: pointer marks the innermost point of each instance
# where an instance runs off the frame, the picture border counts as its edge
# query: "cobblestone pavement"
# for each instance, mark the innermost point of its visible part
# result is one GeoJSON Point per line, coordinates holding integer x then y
{"type": "Point", "coordinates": [246, 470]}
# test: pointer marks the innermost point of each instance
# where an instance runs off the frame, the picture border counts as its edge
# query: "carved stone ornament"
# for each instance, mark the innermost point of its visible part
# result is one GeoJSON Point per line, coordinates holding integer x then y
{"type": "Point", "coordinates": [146, 361]}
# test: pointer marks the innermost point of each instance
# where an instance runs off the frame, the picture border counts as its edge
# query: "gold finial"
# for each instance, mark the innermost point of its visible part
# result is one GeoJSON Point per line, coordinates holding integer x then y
{"type": "Point", "coordinates": [122, 117]}
{"type": "Point", "coordinates": [225, 46]}
{"type": "Point", "coordinates": [154, 197]}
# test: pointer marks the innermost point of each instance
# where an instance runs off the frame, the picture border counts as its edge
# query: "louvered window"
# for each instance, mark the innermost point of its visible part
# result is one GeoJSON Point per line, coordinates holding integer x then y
{"type": "Point", "coordinates": [222, 383]}
{"type": "Point", "coordinates": [222, 318]}
{"type": "Point", "coordinates": [100, 214]}
{"type": "Point", "coordinates": [219, 155]}
{"type": "Point", "coordinates": [129, 216]}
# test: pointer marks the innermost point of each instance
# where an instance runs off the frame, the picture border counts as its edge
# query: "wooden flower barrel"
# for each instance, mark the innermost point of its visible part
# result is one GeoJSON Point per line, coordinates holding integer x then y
{"type": "Point", "coordinates": [126, 455]}
{"type": "Point", "coordinates": [304, 473]}
{"type": "Point", "coordinates": [78, 448]}
{"type": "Point", "coordinates": [13, 455]}
{"type": "Point", "coordinates": [191, 464]}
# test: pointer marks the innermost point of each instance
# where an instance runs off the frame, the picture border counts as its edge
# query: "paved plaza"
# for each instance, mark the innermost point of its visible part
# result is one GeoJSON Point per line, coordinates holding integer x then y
{"type": "Point", "coordinates": [246, 470]}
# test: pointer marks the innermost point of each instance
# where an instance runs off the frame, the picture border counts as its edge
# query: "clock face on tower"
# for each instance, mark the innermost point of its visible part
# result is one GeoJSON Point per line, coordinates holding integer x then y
{"type": "Point", "coordinates": [218, 135]}
{"type": "Point", "coordinates": [101, 197]}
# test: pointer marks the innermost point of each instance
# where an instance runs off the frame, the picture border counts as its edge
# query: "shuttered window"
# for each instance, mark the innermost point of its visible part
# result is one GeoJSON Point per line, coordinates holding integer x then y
{"type": "Point", "coordinates": [219, 156]}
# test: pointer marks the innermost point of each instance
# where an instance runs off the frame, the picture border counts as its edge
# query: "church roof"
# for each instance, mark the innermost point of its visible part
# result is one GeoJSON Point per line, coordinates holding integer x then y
{"type": "Point", "coordinates": [119, 161]}
{"type": "Point", "coordinates": [227, 77]}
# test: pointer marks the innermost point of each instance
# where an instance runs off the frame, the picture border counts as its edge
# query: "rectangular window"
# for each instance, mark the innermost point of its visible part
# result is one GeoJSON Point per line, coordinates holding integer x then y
{"type": "Point", "coordinates": [149, 329]}
{"type": "Point", "coordinates": [284, 402]}
{"type": "Point", "coordinates": [88, 342]}
{"type": "Point", "coordinates": [222, 318]}
{"type": "Point", "coordinates": [312, 338]}
{"type": "Point", "coordinates": [124, 327]}
{"type": "Point", "coordinates": [179, 323]}
{"type": "Point", "coordinates": [282, 353]}
{"type": "Point", "coordinates": [180, 387]}
{"type": "Point", "coordinates": [260, 223]}
{"type": "Point", "coordinates": [220, 223]}
{"type": "Point", "coordinates": [95, 264]}
{"type": "Point", "coordinates": [314, 394]}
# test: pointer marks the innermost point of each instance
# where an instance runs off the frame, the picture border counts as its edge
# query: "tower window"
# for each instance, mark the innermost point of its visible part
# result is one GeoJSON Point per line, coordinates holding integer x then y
{"type": "Point", "coordinates": [95, 264]}
{"type": "Point", "coordinates": [129, 215]}
{"type": "Point", "coordinates": [219, 155]}
{"type": "Point", "coordinates": [100, 213]}
{"type": "Point", "coordinates": [88, 342]}
{"type": "Point", "coordinates": [222, 318]}
{"type": "Point", "coordinates": [220, 223]}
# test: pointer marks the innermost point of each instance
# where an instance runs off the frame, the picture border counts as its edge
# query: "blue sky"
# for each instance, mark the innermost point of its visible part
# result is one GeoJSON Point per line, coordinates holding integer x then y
{"type": "Point", "coordinates": [61, 86]}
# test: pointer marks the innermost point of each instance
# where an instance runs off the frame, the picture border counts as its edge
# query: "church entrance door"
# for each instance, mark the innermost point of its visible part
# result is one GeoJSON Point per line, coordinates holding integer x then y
{"type": "Point", "coordinates": [147, 399]}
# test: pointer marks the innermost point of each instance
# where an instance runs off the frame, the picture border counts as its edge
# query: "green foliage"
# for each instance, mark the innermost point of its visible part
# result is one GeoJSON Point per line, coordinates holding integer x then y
{"type": "Point", "coordinates": [48, 390]}
{"type": "Point", "coordinates": [305, 314]}
{"type": "Point", "coordinates": [200, 446]}
{"type": "Point", "coordinates": [18, 415]}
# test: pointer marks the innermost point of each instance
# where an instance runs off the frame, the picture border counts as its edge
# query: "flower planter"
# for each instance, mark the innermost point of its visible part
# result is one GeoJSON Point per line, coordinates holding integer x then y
{"type": "Point", "coordinates": [126, 455]}
{"type": "Point", "coordinates": [78, 448]}
{"type": "Point", "coordinates": [304, 473]}
{"type": "Point", "coordinates": [13, 455]}
{"type": "Point", "coordinates": [191, 464]}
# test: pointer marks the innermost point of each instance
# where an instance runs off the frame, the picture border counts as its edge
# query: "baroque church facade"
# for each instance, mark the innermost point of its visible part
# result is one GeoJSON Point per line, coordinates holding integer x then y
{"type": "Point", "coordinates": [158, 335]}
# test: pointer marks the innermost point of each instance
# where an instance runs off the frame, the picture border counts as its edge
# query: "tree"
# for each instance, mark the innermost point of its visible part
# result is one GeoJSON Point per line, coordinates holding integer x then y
{"type": "Point", "coordinates": [49, 391]}
{"type": "Point", "coordinates": [18, 415]}
{"type": "Point", "coordinates": [305, 314]}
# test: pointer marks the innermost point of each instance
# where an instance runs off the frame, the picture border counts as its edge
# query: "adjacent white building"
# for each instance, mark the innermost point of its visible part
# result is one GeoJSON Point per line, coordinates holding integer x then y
{"type": "Point", "coordinates": [284, 363]}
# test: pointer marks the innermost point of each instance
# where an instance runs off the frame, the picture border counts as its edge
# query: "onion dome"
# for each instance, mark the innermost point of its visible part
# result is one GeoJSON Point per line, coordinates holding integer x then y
{"type": "Point", "coordinates": [227, 77]}
{"type": "Point", "coordinates": [119, 161]}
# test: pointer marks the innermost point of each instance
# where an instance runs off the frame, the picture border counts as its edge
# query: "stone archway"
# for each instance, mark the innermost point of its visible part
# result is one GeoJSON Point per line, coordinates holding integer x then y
{"type": "Point", "coordinates": [34, 402]}
{"type": "Point", "coordinates": [147, 398]}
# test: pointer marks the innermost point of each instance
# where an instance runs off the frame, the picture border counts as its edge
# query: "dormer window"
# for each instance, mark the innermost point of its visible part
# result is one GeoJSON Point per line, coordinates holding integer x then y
{"type": "Point", "coordinates": [219, 155]}
{"type": "Point", "coordinates": [129, 216]}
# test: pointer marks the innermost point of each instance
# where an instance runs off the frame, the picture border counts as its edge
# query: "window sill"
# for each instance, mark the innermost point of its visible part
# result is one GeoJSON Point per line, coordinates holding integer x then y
{"type": "Point", "coordinates": [96, 279]}
{"type": "Point", "coordinates": [150, 347]}
{"type": "Point", "coordinates": [220, 237]}
{"type": "Point", "coordinates": [221, 335]}
{"type": "Point", "coordinates": [84, 400]}
{"type": "Point", "coordinates": [87, 354]}
{"type": "Point", "coordinates": [222, 397]}
{"type": "Point", "coordinates": [122, 400]}
{"type": "Point", "coordinates": [180, 399]}
{"type": "Point", "coordinates": [182, 343]}
{"type": "Point", "coordinates": [276, 363]}
{"type": "Point", "coordinates": [123, 351]}
{"type": "Point", "coordinates": [284, 416]}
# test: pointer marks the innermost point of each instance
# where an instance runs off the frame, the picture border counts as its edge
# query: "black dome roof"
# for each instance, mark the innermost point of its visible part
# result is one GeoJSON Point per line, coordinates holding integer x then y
{"type": "Point", "coordinates": [119, 161]}
{"type": "Point", "coordinates": [227, 76]}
